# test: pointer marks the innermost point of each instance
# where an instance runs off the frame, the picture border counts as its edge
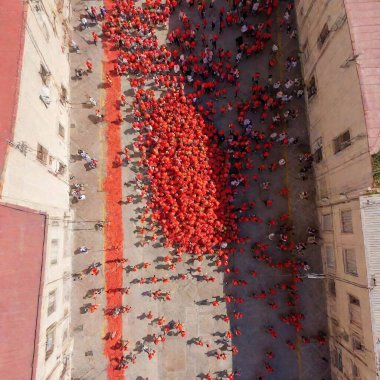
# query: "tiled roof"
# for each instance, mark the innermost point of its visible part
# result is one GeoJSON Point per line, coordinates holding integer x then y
{"type": "Point", "coordinates": [12, 29]}
{"type": "Point", "coordinates": [22, 236]}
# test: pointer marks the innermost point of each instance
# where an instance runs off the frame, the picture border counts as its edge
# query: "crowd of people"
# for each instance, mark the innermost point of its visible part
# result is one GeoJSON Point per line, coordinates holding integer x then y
{"type": "Point", "coordinates": [193, 167]}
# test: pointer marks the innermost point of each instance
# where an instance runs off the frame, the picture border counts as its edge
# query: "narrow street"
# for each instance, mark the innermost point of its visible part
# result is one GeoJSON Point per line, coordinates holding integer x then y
{"type": "Point", "coordinates": [198, 295]}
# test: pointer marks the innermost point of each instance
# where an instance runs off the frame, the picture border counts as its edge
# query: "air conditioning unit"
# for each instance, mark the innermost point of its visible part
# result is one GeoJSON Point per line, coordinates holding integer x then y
{"type": "Point", "coordinates": [45, 95]}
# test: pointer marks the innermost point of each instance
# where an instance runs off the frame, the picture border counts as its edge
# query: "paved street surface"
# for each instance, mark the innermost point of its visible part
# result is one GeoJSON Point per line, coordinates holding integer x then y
{"type": "Point", "coordinates": [180, 358]}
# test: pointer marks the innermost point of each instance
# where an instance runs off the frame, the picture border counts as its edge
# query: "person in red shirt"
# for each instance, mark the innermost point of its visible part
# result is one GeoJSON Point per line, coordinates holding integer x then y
{"type": "Point", "coordinates": [89, 65]}
{"type": "Point", "coordinates": [95, 38]}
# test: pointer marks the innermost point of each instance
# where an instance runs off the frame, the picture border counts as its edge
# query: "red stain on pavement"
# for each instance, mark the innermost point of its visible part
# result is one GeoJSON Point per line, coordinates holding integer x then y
{"type": "Point", "coordinates": [113, 231]}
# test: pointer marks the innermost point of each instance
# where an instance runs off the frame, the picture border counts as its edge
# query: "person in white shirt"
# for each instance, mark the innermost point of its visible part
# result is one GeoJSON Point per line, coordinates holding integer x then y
{"type": "Point", "coordinates": [289, 84]}
{"type": "Point", "coordinates": [255, 7]}
{"type": "Point", "coordinates": [84, 23]}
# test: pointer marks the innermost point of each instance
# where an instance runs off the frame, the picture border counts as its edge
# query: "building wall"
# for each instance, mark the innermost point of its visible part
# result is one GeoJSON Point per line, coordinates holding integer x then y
{"type": "Point", "coordinates": [26, 179]}
{"type": "Point", "coordinates": [39, 179]}
{"type": "Point", "coordinates": [343, 171]}
{"type": "Point", "coordinates": [370, 213]}
{"type": "Point", "coordinates": [337, 106]}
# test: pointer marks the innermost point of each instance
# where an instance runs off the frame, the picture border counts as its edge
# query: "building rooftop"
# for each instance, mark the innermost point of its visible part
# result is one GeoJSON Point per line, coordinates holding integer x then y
{"type": "Point", "coordinates": [12, 29]}
{"type": "Point", "coordinates": [22, 236]}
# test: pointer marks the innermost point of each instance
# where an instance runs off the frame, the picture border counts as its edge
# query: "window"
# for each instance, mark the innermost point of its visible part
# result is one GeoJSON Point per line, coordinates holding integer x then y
{"type": "Point", "coordinates": [338, 359]}
{"type": "Point", "coordinates": [50, 338]}
{"type": "Point", "coordinates": [57, 166]}
{"type": "Point", "coordinates": [45, 95]}
{"type": "Point", "coordinates": [55, 222]}
{"type": "Point", "coordinates": [332, 288]}
{"type": "Point", "coordinates": [355, 372]}
{"type": "Point", "coordinates": [354, 310]}
{"type": "Point", "coordinates": [51, 302]}
{"type": "Point", "coordinates": [323, 35]}
{"type": "Point", "coordinates": [54, 251]}
{"type": "Point", "coordinates": [350, 261]}
{"type": "Point", "coordinates": [322, 185]}
{"type": "Point", "coordinates": [61, 168]}
{"type": "Point", "coordinates": [311, 88]}
{"type": "Point", "coordinates": [61, 130]}
{"type": "Point", "coordinates": [66, 252]}
{"type": "Point", "coordinates": [342, 142]}
{"type": "Point", "coordinates": [41, 18]}
{"type": "Point", "coordinates": [45, 74]}
{"type": "Point", "coordinates": [346, 220]}
{"type": "Point", "coordinates": [327, 224]}
{"type": "Point", "coordinates": [42, 154]}
{"type": "Point", "coordinates": [45, 32]}
{"type": "Point", "coordinates": [65, 334]}
{"type": "Point", "coordinates": [335, 329]}
{"type": "Point", "coordinates": [357, 344]}
{"type": "Point", "coordinates": [66, 290]}
{"type": "Point", "coordinates": [330, 257]}
{"type": "Point", "coordinates": [66, 293]}
{"type": "Point", "coordinates": [63, 94]}
{"type": "Point", "coordinates": [318, 151]}
{"type": "Point", "coordinates": [306, 51]}
{"type": "Point", "coordinates": [59, 4]}
{"type": "Point", "coordinates": [318, 155]}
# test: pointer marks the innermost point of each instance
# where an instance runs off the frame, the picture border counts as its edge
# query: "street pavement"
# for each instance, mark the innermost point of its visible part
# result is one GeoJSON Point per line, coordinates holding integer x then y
{"type": "Point", "coordinates": [178, 358]}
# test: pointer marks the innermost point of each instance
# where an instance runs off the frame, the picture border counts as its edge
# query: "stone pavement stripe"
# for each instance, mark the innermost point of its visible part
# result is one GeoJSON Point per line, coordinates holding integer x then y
{"type": "Point", "coordinates": [289, 198]}
{"type": "Point", "coordinates": [113, 231]}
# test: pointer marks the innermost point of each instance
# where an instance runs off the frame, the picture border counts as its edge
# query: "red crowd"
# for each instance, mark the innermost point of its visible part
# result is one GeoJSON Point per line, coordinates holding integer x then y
{"type": "Point", "coordinates": [188, 175]}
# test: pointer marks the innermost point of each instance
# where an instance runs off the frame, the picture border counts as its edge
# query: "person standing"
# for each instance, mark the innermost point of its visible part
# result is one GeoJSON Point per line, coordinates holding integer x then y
{"type": "Point", "coordinates": [95, 38]}
{"type": "Point", "coordinates": [84, 23]}
{"type": "Point", "coordinates": [83, 249]}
